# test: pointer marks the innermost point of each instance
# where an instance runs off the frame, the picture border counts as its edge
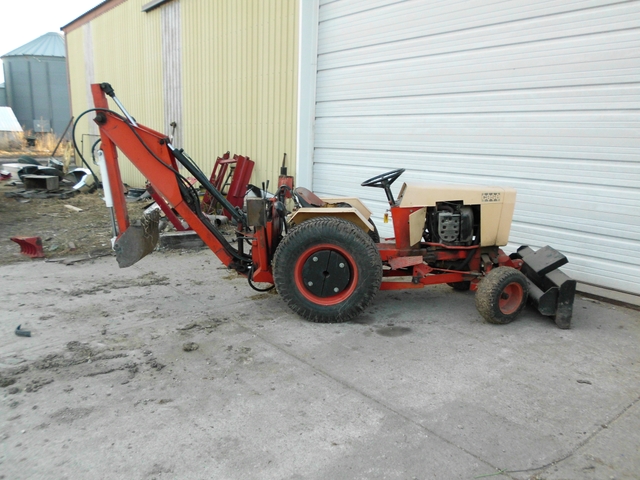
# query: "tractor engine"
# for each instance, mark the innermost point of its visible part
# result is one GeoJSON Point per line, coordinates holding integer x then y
{"type": "Point", "coordinates": [451, 223]}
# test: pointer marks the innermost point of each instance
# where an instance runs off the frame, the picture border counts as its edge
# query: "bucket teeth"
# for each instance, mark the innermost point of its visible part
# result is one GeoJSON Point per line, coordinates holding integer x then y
{"type": "Point", "coordinates": [551, 291]}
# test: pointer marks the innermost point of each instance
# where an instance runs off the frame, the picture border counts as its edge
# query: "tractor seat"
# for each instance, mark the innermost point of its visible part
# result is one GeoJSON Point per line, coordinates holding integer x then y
{"type": "Point", "coordinates": [307, 198]}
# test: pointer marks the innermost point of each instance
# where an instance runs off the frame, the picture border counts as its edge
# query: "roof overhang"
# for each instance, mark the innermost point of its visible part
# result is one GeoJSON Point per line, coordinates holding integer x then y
{"type": "Point", "coordinates": [147, 7]}
{"type": "Point", "coordinates": [91, 14]}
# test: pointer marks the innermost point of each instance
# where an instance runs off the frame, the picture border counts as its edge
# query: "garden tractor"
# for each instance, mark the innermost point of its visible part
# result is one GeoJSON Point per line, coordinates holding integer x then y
{"type": "Point", "coordinates": [325, 256]}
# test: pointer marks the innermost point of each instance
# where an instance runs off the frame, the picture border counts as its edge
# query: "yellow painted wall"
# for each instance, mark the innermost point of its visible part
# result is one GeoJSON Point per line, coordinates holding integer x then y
{"type": "Point", "coordinates": [126, 44]}
{"type": "Point", "coordinates": [239, 77]}
{"type": "Point", "coordinates": [240, 81]}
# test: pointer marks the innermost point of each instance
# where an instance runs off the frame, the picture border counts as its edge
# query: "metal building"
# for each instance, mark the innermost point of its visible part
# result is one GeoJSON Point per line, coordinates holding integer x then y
{"type": "Point", "coordinates": [544, 97]}
{"type": "Point", "coordinates": [225, 72]}
{"type": "Point", "coordinates": [540, 96]}
{"type": "Point", "coordinates": [36, 84]}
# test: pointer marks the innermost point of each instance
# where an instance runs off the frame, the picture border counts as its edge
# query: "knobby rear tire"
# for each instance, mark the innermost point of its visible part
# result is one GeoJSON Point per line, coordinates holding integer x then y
{"type": "Point", "coordinates": [340, 237]}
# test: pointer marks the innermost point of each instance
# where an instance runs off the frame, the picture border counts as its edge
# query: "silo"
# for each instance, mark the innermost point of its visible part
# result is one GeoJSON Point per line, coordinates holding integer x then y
{"type": "Point", "coordinates": [36, 84]}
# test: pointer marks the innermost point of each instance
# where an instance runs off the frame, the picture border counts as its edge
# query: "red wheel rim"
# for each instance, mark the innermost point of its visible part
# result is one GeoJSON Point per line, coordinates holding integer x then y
{"type": "Point", "coordinates": [333, 299]}
{"type": "Point", "coordinates": [511, 298]}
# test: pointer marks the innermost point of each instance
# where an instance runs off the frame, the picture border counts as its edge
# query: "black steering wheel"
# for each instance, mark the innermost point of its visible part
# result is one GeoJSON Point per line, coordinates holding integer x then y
{"type": "Point", "coordinates": [383, 179]}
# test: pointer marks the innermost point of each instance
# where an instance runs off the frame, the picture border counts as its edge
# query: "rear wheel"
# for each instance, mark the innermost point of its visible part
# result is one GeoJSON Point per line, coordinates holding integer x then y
{"type": "Point", "coordinates": [327, 270]}
{"type": "Point", "coordinates": [501, 295]}
{"type": "Point", "coordinates": [374, 234]}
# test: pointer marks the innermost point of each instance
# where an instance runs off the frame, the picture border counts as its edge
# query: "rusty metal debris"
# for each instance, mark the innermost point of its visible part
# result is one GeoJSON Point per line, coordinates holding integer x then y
{"type": "Point", "coordinates": [30, 246]}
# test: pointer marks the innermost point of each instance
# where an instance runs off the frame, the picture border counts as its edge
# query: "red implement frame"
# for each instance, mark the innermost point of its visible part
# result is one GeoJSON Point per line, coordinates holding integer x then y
{"type": "Point", "coordinates": [241, 175]}
{"type": "Point", "coordinates": [217, 179]}
{"type": "Point", "coordinates": [239, 169]}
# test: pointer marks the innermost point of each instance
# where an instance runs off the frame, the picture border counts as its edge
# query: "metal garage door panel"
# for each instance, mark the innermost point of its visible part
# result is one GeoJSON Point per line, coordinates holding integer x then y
{"type": "Point", "coordinates": [427, 29]}
{"type": "Point", "coordinates": [599, 97]}
{"type": "Point", "coordinates": [540, 96]}
{"type": "Point", "coordinates": [607, 58]}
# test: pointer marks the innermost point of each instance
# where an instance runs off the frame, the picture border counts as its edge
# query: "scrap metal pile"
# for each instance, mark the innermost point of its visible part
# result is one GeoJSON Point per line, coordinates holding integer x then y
{"type": "Point", "coordinates": [52, 180]}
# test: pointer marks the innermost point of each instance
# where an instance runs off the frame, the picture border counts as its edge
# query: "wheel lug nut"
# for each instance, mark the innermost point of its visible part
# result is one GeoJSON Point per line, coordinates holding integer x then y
{"type": "Point", "coordinates": [315, 259]}
{"type": "Point", "coordinates": [310, 284]}
{"type": "Point", "coordinates": [341, 265]}
{"type": "Point", "coordinates": [336, 289]}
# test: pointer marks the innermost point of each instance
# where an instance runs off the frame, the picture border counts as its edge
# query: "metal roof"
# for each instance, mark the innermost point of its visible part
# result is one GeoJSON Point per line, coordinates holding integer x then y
{"type": "Point", "coordinates": [48, 45]}
{"type": "Point", "coordinates": [8, 121]}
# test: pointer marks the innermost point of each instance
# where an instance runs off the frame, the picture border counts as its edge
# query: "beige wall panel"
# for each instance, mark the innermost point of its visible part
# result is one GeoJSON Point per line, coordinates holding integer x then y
{"type": "Point", "coordinates": [126, 51]}
{"type": "Point", "coordinates": [127, 54]}
{"type": "Point", "coordinates": [238, 76]}
{"type": "Point", "coordinates": [240, 82]}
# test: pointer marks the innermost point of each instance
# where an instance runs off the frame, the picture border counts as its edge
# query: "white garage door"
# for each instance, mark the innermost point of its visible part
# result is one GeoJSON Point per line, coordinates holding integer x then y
{"type": "Point", "coordinates": [543, 96]}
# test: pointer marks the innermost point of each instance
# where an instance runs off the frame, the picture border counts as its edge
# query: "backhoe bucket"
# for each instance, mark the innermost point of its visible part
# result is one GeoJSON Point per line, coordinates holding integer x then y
{"type": "Point", "coordinates": [137, 241]}
{"type": "Point", "coordinates": [550, 290]}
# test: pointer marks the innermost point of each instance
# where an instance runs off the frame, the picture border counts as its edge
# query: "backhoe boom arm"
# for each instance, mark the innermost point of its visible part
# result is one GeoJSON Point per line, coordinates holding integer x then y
{"type": "Point", "coordinates": [155, 158]}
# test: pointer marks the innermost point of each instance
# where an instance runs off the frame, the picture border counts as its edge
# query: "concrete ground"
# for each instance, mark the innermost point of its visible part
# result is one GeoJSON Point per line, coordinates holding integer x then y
{"type": "Point", "coordinates": [175, 368]}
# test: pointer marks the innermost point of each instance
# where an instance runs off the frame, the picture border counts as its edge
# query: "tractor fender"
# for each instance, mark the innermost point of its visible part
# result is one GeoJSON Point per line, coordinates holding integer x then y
{"type": "Point", "coordinates": [350, 214]}
{"type": "Point", "coordinates": [350, 201]}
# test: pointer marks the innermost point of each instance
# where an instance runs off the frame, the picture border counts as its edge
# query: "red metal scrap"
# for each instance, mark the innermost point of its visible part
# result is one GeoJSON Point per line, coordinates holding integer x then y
{"type": "Point", "coordinates": [30, 246]}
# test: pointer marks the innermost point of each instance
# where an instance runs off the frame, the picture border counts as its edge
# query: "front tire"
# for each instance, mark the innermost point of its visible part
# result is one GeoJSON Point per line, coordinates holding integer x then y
{"type": "Point", "coordinates": [501, 295]}
{"type": "Point", "coordinates": [327, 270]}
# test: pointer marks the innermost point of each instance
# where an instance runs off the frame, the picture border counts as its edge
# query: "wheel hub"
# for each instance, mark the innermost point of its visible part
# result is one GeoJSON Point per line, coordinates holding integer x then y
{"type": "Point", "coordinates": [326, 273]}
{"type": "Point", "coordinates": [510, 298]}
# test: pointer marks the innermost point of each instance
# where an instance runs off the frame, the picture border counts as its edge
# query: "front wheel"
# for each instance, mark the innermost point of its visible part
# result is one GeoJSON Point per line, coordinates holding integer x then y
{"type": "Point", "coordinates": [327, 270]}
{"type": "Point", "coordinates": [501, 295]}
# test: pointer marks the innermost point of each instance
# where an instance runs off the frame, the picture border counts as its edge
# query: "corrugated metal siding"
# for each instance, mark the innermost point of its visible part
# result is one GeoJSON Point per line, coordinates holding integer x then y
{"type": "Point", "coordinates": [227, 69]}
{"type": "Point", "coordinates": [240, 89]}
{"type": "Point", "coordinates": [544, 97]}
{"type": "Point", "coordinates": [127, 53]}
{"type": "Point", "coordinates": [37, 90]}
{"type": "Point", "coordinates": [122, 47]}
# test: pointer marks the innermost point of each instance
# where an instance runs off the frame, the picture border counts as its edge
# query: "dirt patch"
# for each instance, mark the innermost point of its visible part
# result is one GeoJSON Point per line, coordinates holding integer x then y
{"type": "Point", "coordinates": [76, 360]}
{"type": "Point", "coordinates": [146, 280]}
{"type": "Point", "coordinates": [64, 232]}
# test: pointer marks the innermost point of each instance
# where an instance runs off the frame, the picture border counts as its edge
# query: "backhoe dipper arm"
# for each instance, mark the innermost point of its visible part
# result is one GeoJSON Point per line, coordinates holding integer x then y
{"type": "Point", "coordinates": [151, 153]}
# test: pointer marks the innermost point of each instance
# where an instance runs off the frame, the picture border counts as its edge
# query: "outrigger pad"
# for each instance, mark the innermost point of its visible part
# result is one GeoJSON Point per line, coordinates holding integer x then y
{"type": "Point", "coordinates": [550, 290]}
{"type": "Point", "coordinates": [138, 241]}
